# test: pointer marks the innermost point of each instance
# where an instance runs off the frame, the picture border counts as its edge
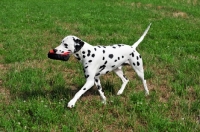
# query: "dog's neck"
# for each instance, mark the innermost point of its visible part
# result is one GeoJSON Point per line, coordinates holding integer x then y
{"type": "Point", "coordinates": [79, 55]}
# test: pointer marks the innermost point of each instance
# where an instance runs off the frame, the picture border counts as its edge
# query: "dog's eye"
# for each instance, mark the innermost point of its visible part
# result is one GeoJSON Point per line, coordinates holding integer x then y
{"type": "Point", "coordinates": [66, 45]}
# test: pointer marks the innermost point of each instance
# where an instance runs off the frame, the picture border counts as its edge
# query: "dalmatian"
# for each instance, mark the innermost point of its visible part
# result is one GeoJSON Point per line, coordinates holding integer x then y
{"type": "Point", "coordinates": [100, 60]}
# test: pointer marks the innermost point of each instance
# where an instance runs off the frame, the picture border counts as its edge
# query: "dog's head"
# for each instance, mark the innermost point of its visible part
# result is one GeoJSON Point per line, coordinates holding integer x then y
{"type": "Point", "coordinates": [69, 45]}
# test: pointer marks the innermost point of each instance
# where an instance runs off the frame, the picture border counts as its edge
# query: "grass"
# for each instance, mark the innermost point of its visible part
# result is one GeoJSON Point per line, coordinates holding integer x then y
{"type": "Point", "coordinates": [34, 90]}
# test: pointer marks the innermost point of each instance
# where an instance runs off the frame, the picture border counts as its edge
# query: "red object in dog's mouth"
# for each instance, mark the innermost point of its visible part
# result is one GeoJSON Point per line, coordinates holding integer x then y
{"type": "Point", "coordinates": [64, 57]}
{"type": "Point", "coordinates": [66, 53]}
{"type": "Point", "coordinates": [51, 51]}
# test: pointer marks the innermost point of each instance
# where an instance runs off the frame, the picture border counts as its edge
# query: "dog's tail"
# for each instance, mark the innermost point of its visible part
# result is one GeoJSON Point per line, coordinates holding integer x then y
{"type": "Point", "coordinates": [141, 38]}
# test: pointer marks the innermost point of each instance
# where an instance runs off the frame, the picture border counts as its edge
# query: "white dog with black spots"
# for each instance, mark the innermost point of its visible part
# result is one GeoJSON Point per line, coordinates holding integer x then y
{"type": "Point", "coordinates": [99, 60]}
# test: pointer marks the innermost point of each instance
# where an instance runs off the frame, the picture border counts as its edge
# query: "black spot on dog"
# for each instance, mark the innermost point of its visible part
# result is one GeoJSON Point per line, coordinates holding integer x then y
{"type": "Point", "coordinates": [137, 58]}
{"type": "Point", "coordinates": [104, 46]}
{"type": "Point", "coordinates": [113, 66]}
{"type": "Point", "coordinates": [103, 58]}
{"type": "Point", "coordinates": [105, 62]}
{"type": "Point", "coordinates": [86, 76]}
{"type": "Point", "coordinates": [95, 49]}
{"type": "Point", "coordinates": [93, 55]}
{"type": "Point", "coordinates": [98, 87]}
{"type": "Point", "coordinates": [132, 54]}
{"type": "Point", "coordinates": [96, 80]}
{"type": "Point", "coordinates": [133, 63]}
{"type": "Point", "coordinates": [114, 47]}
{"type": "Point", "coordinates": [119, 45]}
{"type": "Point", "coordinates": [102, 67]}
{"type": "Point", "coordinates": [115, 60]}
{"type": "Point", "coordinates": [140, 56]}
{"type": "Point", "coordinates": [77, 57]}
{"type": "Point", "coordinates": [138, 63]}
{"type": "Point", "coordinates": [122, 56]}
{"type": "Point", "coordinates": [99, 46]}
{"type": "Point", "coordinates": [66, 45]}
{"type": "Point", "coordinates": [84, 88]}
{"type": "Point", "coordinates": [97, 74]}
{"type": "Point", "coordinates": [83, 56]}
{"type": "Point", "coordinates": [83, 52]}
{"type": "Point", "coordinates": [88, 53]}
{"type": "Point", "coordinates": [79, 44]}
{"type": "Point", "coordinates": [118, 58]}
{"type": "Point", "coordinates": [90, 61]}
{"type": "Point", "coordinates": [103, 51]}
{"type": "Point", "coordinates": [107, 72]}
{"type": "Point", "coordinates": [86, 67]}
{"type": "Point", "coordinates": [110, 56]}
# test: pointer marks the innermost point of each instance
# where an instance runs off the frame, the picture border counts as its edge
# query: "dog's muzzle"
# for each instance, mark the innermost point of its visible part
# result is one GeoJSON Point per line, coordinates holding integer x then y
{"type": "Point", "coordinates": [64, 57]}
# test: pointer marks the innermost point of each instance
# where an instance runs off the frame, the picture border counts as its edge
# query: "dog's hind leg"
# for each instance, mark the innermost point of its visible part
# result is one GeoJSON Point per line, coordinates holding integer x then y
{"type": "Point", "coordinates": [99, 87]}
{"type": "Point", "coordinates": [120, 73]}
{"type": "Point", "coordinates": [138, 67]}
{"type": "Point", "coordinates": [140, 73]}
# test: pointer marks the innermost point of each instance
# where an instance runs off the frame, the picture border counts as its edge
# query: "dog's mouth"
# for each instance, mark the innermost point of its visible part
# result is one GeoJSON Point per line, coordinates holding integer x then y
{"type": "Point", "coordinates": [64, 57]}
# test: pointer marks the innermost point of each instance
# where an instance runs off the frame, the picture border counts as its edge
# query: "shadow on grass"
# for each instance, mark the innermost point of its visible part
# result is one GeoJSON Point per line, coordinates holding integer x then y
{"type": "Point", "coordinates": [57, 92]}
{"type": "Point", "coordinates": [109, 87]}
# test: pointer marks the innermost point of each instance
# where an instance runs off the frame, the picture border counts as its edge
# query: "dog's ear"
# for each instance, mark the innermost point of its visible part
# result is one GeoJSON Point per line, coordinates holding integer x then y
{"type": "Point", "coordinates": [78, 44]}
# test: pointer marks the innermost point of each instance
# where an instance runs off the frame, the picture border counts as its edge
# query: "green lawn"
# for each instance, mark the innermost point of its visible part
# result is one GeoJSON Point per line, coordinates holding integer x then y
{"type": "Point", "coordinates": [35, 90]}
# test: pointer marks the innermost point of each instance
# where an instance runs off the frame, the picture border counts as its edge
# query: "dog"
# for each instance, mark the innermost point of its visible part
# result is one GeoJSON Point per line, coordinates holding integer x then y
{"type": "Point", "coordinates": [99, 60]}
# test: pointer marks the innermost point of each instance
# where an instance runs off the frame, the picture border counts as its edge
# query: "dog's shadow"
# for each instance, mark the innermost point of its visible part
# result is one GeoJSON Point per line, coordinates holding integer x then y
{"type": "Point", "coordinates": [57, 92]}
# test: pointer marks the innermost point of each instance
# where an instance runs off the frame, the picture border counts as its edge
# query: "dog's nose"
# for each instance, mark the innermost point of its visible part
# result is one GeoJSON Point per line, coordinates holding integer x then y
{"type": "Point", "coordinates": [55, 50]}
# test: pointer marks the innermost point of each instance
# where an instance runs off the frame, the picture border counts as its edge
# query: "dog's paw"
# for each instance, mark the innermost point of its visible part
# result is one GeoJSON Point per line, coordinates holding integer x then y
{"type": "Point", "coordinates": [71, 104]}
{"type": "Point", "coordinates": [146, 93]}
{"type": "Point", "coordinates": [103, 102]}
{"type": "Point", "coordinates": [119, 92]}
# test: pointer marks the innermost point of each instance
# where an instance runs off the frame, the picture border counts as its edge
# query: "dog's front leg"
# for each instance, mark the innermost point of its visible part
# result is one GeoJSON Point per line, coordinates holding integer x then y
{"type": "Point", "coordinates": [88, 85]}
{"type": "Point", "coordinates": [98, 84]}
